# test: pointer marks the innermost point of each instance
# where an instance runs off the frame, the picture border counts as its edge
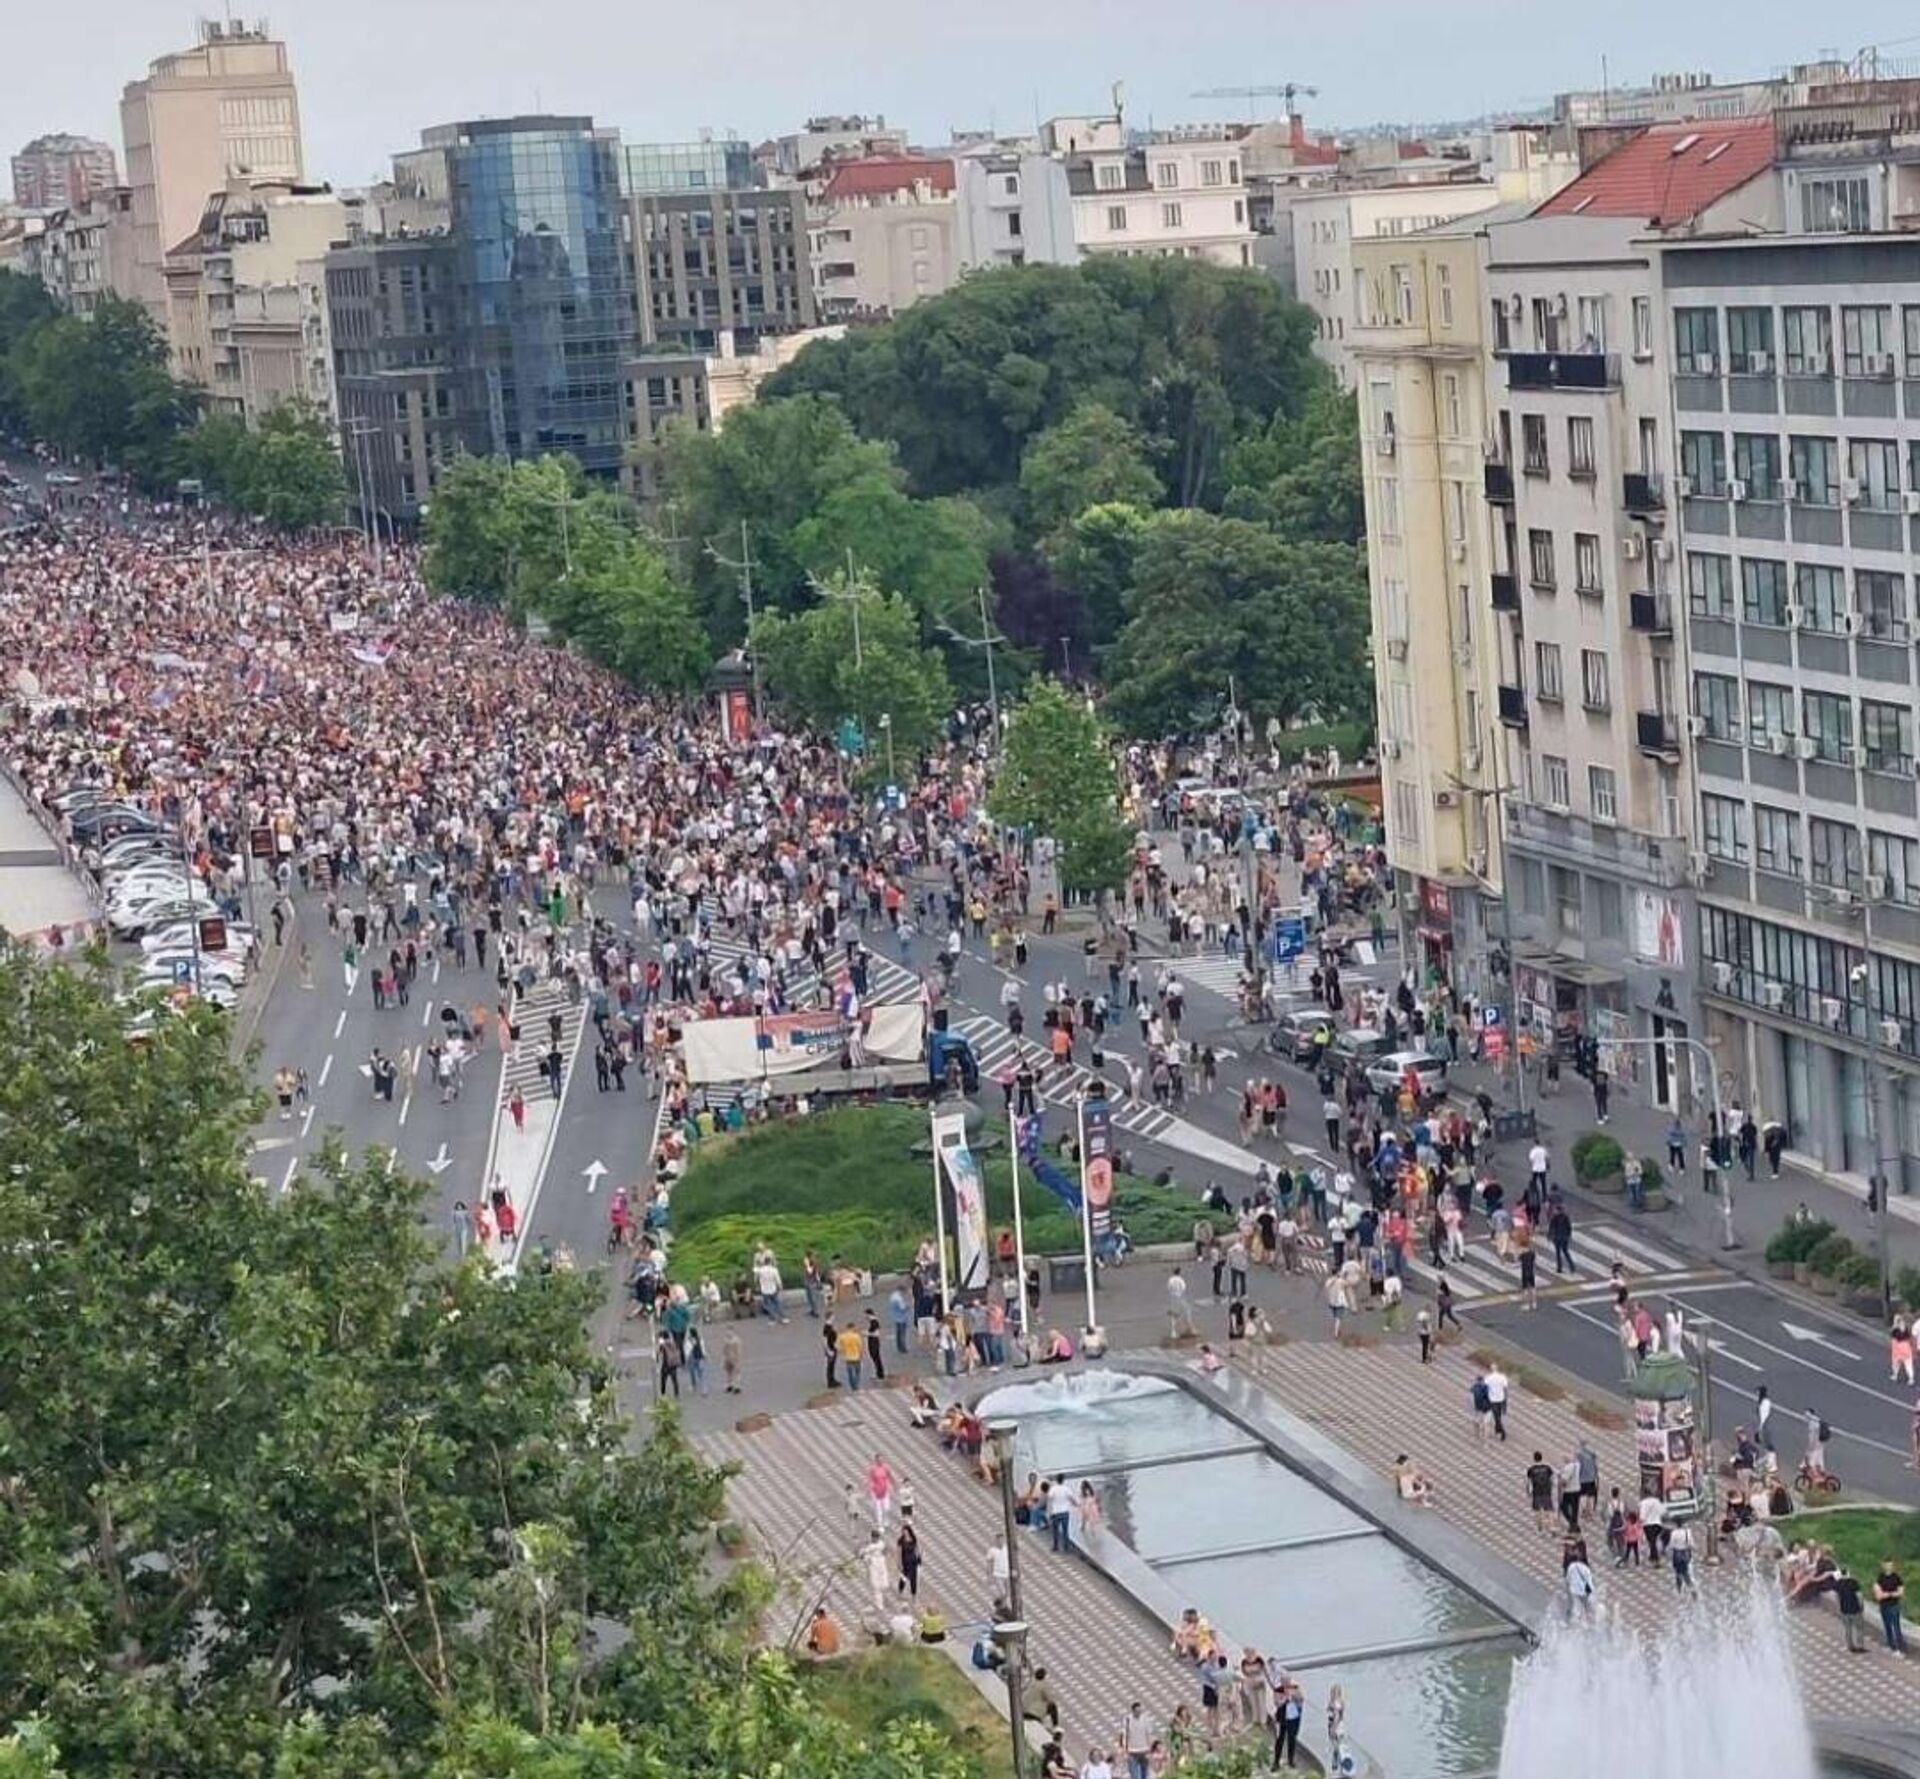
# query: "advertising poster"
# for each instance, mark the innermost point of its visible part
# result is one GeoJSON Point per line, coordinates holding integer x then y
{"type": "Point", "coordinates": [965, 1195]}
{"type": "Point", "coordinates": [1664, 1443]}
{"type": "Point", "coordinates": [1096, 1169]}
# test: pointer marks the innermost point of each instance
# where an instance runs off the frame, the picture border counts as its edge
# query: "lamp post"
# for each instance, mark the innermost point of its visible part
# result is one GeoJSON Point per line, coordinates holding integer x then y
{"type": "Point", "coordinates": [1010, 1638]}
{"type": "Point", "coordinates": [1002, 1434]}
{"type": "Point", "coordinates": [886, 729]}
{"type": "Point", "coordinates": [985, 640]}
{"type": "Point", "coordinates": [1706, 1325]}
{"type": "Point", "coordinates": [744, 568]}
{"type": "Point", "coordinates": [1497, 794]}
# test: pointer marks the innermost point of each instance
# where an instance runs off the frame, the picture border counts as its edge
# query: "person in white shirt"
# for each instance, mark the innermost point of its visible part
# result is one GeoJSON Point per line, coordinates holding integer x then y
{"type": "Point", "coordinates": [1496, 1382]}
{"type": "Point", "coordinates": [1653, 1524]}
{"type": "Point", "coordinates": [1537, 1163]}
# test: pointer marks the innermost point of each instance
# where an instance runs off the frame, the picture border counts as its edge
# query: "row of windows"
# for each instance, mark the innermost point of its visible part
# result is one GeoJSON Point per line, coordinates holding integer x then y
{"type": "Point", "coordinates": [1549, 679]}
{"type": "Point", "coordinates": [1832, 854]}
{"type": "Point", "coordinates": [1814, 975]}
{"type": "Point", "coordinates": [1875, 339]}
{"type": "Point", "coordinates": [1814, 725]}
{"type": "Point", "coordinates": [1603, 788]}
{"type": "Point", "coordinates": [1808, 596]}
{"type": "Point", "coordinates": [1818, 471]}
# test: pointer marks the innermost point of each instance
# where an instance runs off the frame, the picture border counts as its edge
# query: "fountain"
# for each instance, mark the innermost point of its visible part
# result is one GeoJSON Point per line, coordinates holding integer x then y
{"type": "Point", "coordinates": [1715, 1699]}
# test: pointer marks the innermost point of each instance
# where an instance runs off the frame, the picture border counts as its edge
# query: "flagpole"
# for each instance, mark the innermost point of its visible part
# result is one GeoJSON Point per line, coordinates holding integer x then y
{"type": "Point", "coordinates": [1019, 1228]}
{"type": "Point", "coordinates": [940, 1218]}
{"type": "Point", "coordinates": [1086, 1213]}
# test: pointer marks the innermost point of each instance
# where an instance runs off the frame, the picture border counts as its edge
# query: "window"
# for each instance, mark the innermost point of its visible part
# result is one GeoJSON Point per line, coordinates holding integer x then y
{"type": "Point", "coordinates": [1836, 206]}
{"type": "Point", "coordinates": [1166, 175]}
{"type": "Point", "coordinates": [1609, 904]}
{"type": "Point", "coordinates": [1110, 176]}
{"type": "Point", "coordinates": [1807, 336]}
{"type": "Point", "coordinates": [1723, 827]}
{"type": "Point", "coordinates": [1233, 172]}
{"type": "Point", "coordinates": [1776, 840]}
{"type": "Point", "coordinates": [1402, 280]}
{"type": "Point", "coordinates": [1209, 172]}
{"type": "Point", "coordinates": [1596, 691]}
{"type": "Point", "coordinates": [1709, 584]}
{"type": "Point", "coordinates": [1896, 862]}
{"type": "Point", "coordinates": [1814, 466]}
{"type": "Point", "coordinates": [1540, 559]}
{"type": "Point", "coordinates": [1703, 461]}
{"type": "Point", "coordinates": [1502, 326]}
{"type": "Point", "coordinates": [1533, 444]}
{"type": "Point", "coordinates": [1586, 563]}
{"type": "Point", "coordinates": [1011, 185]}
{"type": "Point", "coordinates": [1394, 620]}
{"type": "Point", "coordinates": [1886, 737]}
{"type": "Point", "coordinates": [1565, 886]}
{"type": "Point", "coordinates": [1834, 848]}
{"type": "Point", "coordinates": [1169, 216]}
{"type": "Point", "coordinates": [1443, 290]}
{"type": "Point", "coordinates": [1387, 504]}
{"type": "Point", "coordinates": [1716, 697]}
{"type": "Point", "coordinates": [1642, 327]}
{"type": "Point", "coordinates": [1910, 328]}
{"type": "Point", "coordinates": [1450, 403]}
{"type": "Point", "coordinates": [1602, 793]}
{"type": "Point", "coordinates": [1590, 323]}
{"type": "Point", "coordinates": [1756, 463]}
{"type": "Point", "coordinates": [1696, 341]}
{"type": "Point", "coordinates": [1827, 717]}
{"type": "Point", "coordinates": [1749, 341]}
{"type": "Point", "coordinates": [1553, 780]}
{"type": "Point", "coordinates": [1881, 600]}
{"type": "Point", "coordinates": [1546, 674]}
{"type": "Point", "coordinates": [1580, 446]}
{"type": "Point", "coordinates": [1821, 594]}
{"type": "Point", "coordinates": [1866, 340]}
{"type": "Point", "coordinates": [1874, 464]}
{"type": "Point", "coordinates": [1769, 711]}
{"type": "Point", "coordinates": [1117, 217]}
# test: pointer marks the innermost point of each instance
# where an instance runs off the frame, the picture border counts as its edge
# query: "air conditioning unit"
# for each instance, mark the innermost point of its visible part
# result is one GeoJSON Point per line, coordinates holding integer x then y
{"type": "Point", "coordinates": [1696, 726]}
{"type": "Point", "coordinates": [1459, 549]}
{"type": "Point", "coordinates": [1831, 1010]}
{"type": "Point", "coordinates": [1891, 1032]}
{"type": "Point", "coordinates": [1773, 994]}
{"type": "Point", "coordinates": [1911, 502]}
{"type": "Point", "coordinates": [1796, 492]}
{"type": "Point", "coordinates": [1781, 745]}
{"type": "Point", "coordinates": [1759, 363]}
{"type": "Point", "coordinates": [1704, 365]}
{"type": "Point", "coordinates": [1683, 486]}
{"type": "Point", "coordinates": [1850, 490]}
{"type": "Point", "coordinates": [1819, 364]}
{"type": "Point", "coordinates": [1397, 647]}
{"type": "Point", "coordinates": [1723, 977]}
{"type": "Point", "coordinates": [1853, 623]}
{"type": "Point", "coordinates": [1635, 546]}
{"type": "Point", "coordinates": [1805, 747]}
{"type": "Point", "coordinates": [1736, 489]}
{"type": "Point", "coordinates": [1876, 887]}
{"type": "Point", "coordinates": [1446, 799]}
{"type": "Point", "coordinates": [1878, 364]}
{"type": "Point", "coordinates": [1662, 549]}
{"type": "Point", "coordinates": [1796, 615]}
{"type": "Point", "coordinates": [1842, 898]}
{"type": "Point", "coordinates": [1699, 864]}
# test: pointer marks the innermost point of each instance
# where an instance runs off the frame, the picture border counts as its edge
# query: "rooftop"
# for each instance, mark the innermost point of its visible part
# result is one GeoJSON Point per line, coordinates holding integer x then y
{"type": "Point", "coordinates": [881, 175]}
{"type": "Point", "coordinates": [1669, 173]}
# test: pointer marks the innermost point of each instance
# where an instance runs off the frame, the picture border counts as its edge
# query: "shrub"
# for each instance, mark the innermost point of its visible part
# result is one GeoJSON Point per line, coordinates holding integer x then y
{"type": "Point", "coordinates": [1906, 1286]}
{"type": "Point", "coordinates": [1651, 1175]}
{"type": "Point", "coordinates": [1795, 1241]}
{"type": "Point", "coordinates": [1782, 1249]}
{"type": "Point", "coordinates": [1858, 1272]}
{"type": "Point", "coordinates": [1596, 1156]}
{"type": "Point", "coordinates": [1829, 1255]}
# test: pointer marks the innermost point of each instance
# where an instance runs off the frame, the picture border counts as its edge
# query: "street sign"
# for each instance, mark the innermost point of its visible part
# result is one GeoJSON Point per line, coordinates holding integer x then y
{"type": "Point", "coordinates": [213, 933]}
{"type": "Point", "coordinates": [1288, 939]}
{"type": "Point", "coordinates": [183, 971]}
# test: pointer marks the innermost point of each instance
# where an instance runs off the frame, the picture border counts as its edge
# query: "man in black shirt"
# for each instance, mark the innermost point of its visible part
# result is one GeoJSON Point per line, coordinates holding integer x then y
{"type": "Point", "coordinates": [1889, 1590]}
{"type": "Point", "coordinates": [1540, 1490]}
{"type": "Point", "coordinates": [1847, 1591]}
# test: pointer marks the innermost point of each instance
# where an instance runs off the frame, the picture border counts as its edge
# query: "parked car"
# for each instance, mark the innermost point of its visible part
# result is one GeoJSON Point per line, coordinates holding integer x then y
{"type": "Point", "coordinates": [1385, 1074]}
{"type": "Point", "coordinates": [141, 918]}
{"type": "Point", "coordinates": [1361, 1044]}
{"type": "Point", "coordinates": [1296, 1035]}
{"type": "Point", "coordinates": [182, 934]}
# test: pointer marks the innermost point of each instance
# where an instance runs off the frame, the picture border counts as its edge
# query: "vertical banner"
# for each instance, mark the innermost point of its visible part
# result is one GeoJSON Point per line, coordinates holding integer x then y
{"type": "Point", "coordinates": [962, 1188]}
{"type": "Point", "coordinates": [1096, 1169]}
{"type": "Point", "coordinates": [736, 715]}
{"type": "Point", "coordinates": [1019, 1227]}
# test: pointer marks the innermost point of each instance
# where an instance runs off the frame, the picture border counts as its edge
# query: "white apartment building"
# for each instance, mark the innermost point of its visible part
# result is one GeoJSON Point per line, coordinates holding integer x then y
{"type": "Point", "coordinates": [1170, 192]}
{"type": "Point", "coordinates": [1012, 208]}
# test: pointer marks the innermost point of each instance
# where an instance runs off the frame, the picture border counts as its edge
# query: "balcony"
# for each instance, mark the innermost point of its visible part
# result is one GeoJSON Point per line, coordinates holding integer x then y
{"type": "Point", "coordinates": [1643, 494]}
{"type": "Point", "coordinates": [1506, 593]}
{"type": "Point", "coordinates": [1499, 483]}
{"type": "Point", "coordinates": [1658, 734]}
{"type": "Point", "coordinates": [1651, 613]}
{"type": "Point", "coordinates": [1513, 706]}
{"type": "Point", "coordinates": [1563, 370]}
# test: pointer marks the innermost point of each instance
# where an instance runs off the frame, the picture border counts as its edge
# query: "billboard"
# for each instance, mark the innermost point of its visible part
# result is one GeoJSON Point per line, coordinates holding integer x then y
{"type": "Point", "coordinates": [1096, 1167]}
{"type": "Point", "coordinates": [964, 1200]}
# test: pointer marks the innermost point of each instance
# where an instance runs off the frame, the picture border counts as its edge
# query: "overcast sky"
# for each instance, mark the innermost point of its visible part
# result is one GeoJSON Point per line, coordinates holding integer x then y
{"type": "Point", "coordinates": [372, 72]}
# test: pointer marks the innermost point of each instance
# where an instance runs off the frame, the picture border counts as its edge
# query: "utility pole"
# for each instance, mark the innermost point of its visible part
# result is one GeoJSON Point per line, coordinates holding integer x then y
{"type": "Point", "coordinates": [1704, 1463]}
{"type": "Point", "coordinates": [744, 568]}
{"type": "Point", "coordinates": [1497, 794]}
{"type": "Point", "coordinates": [985, 640]}
{"type": "Point", "coordinates": [1880, 1181]}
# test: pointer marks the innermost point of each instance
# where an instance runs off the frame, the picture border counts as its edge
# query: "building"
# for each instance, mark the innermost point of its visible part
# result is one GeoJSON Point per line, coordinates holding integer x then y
{"type": "Point", "coordinates": [1165, 193]}
{"type": "Point", "coordinates": [1592, 657]}
{"type": "Point", "coordinates": [808, 151]}
{"type": "Point", "coordinates": [224, 109]}
{"type": "Point", "coordinates": [711, 265]}
{"type": "Point", "coordinates": [62, 172]}
{"type": "Point", "coordinates": [1012, 208]}
{"type": "Point", "coordinates": [1420, 363]}
{"type": "Point", "coordinates": [883, 235]}
{"type": "Point", "coordinates": [234, 309]}
{"type": "Point", "coordinates": [88, 251]}
{"type": "Point", "coordinates": [722, 163]}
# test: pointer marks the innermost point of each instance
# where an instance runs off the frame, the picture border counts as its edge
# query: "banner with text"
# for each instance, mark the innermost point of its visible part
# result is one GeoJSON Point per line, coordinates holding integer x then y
{"type": "Point", "coordinates": [1096, 1168]}
{"type": "Point", "coordinates": [792, 1043]}
{"type": "Point", "coordinates": [966, 1204]}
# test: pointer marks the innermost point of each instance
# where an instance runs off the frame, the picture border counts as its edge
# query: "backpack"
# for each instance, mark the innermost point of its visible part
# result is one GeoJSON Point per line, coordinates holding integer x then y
{"type": "Point", "coordinates": [1482, 1402]}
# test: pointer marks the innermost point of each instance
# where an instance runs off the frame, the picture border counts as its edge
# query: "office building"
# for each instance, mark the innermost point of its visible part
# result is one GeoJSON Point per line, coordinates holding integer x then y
{"type": "Point", "coordinates": [723, 163]}
{"type": "Point", "coordinates": [706, 265]}
{"type": "Point", "coordinates": [62, 172]}
{"type": "Point", "coordinates": [883, 235]}
{"type": "Point", "coordinates": [224, 109]}
{"type": "Point", "coordinates": [809, 152]}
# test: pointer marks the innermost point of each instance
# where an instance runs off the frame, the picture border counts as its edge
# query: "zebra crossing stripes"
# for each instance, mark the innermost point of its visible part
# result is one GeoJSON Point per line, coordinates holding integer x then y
{"type": "Point", "coordinates": [1483, 1274]}
{"type": "Point", "coordinates": [525, 1068]}
{"type": "Point", "coordinates": [888, 983]}
{"type": "Point", "coordinates": [995, 1046]}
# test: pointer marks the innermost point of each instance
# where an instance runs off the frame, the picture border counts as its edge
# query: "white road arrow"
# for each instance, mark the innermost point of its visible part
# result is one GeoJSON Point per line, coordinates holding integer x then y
{"type": "Point", "coordinates": [1816, 1338]}
{"type": "Point", "coordinates": [441, 1162]}
{"type": "Point", "coordinates": [593, 1170]}
{"type": "Point", "coordinates": [1722, 1351]}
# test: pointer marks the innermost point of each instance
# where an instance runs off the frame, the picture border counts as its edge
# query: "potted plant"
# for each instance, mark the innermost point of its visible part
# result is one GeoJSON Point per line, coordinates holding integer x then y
{"type": "Point", "coordinates": [1653, 1184]}
{"type": "Point", "coordinates": [1824, 1263]}
{"type": "Point", "coordinates": [1805, 1237]}
{"type": "Point", "coordinates": [1858, 1282]}
{"type": "Point", "coordinates": [1597, 1161]}
{"type": "Point", "coordinates": [1781, 1249]}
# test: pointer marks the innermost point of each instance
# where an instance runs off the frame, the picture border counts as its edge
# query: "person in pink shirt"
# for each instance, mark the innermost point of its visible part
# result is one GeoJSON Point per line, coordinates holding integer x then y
{"type": "Point", "coordinates": [880, 1492]}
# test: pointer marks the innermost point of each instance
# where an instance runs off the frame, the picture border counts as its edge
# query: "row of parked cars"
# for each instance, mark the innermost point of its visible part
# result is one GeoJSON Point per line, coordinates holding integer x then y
{"type": "Point", "coordinates": [155, 899]}
{"type": "Point", "coordinates": [1305, 1034]}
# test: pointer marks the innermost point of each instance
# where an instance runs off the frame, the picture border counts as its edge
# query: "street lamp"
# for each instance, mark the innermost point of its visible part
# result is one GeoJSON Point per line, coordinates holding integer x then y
{"type": "Point", "coordinates": [1002, 1434]}
{"type": "Point", "coordinates": [744, 568]}
{"type": "Point", "coordinates": [1010, 1638]}
{"type": "Point", "coordinates": [886, 728]}
{"type": "Point", "coordinates": [985, 640]}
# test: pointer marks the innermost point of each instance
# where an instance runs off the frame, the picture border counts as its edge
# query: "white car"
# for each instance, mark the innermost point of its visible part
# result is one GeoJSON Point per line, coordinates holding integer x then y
{"type": "Point", "coordinates": [208, 963]}
{"type": "Point", "coordinates": [182, 934]}
{"type": "Point", "coordinates": [152, 874]}
{"type": "Point", "coordinates": [141, 918]}
{"type": "Point", "coordinates": [1385, 1073]}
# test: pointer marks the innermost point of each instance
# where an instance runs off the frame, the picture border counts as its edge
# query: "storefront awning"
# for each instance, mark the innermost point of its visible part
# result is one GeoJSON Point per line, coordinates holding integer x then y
{"type": "Point", "coordinates": [1568, 969]}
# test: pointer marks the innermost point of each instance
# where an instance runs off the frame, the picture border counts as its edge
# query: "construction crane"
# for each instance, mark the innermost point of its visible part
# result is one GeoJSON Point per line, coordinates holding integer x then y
{"type": "Point", "coordinates": [1285, 92]}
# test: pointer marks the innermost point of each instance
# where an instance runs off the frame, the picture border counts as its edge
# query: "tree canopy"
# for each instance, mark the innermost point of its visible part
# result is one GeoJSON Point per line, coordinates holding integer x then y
{"type": "Point", "coordinates": [1057, 775]}
{"type": "Point", "coordinates": [285, 472]}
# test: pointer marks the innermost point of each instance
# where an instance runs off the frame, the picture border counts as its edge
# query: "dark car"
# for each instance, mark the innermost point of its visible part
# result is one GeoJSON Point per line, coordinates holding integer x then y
{"type": "Point", "coordinates": [1296, 1035]}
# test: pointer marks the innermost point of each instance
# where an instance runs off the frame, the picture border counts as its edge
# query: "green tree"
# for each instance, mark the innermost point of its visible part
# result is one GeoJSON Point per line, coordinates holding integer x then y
{"type": "Point", "coordinates": [620, 602]}
{"type": "Point", "coordinates": [1215, 598]}
{"type": "Point", "coordinates": [1094, 554]}
{"type": "Point", "coordinates": [824, 672]}
{"type": "Point", "coordinates": [285, 473]}
{"type": "Point", "coordinates": [1302, 476]}
{"type": "Point", "coordinates": [1057, 775]}
{"type": "Point", "coordinates": [25, 306]}
{"type": "Point", "coordinates": [468, 531]}
{"type": "Point", "coordinates": [933, 551]}
{"type": "Point", "coordinates": [1091, 458]}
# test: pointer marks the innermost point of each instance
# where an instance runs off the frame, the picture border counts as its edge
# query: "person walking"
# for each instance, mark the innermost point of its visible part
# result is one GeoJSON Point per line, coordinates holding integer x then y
{"type": "Point", "coordinates": [732, 1361]}
{"type": "Point", "coordinates": [853, 1352]}
{"type": "Point", "coordinates": [1560, 1232]}
{"type": "Point", "coordinates": [879, 1573]}
{"type": "Point", "coordinates": [1136, 1740]}
{"type": "Point", "coordinates": [1059, 1514]}
{"type": "Point", "coordinates": [1423, 1327]}
{"type": "Point", "coordinates": [1540, 1491]}
{"type": "Point", "coordinates": [1680, 1551]}
{"type": "Point", "coordinates": [1179, 1311]}
{"type": "Point", "coordinates": [666, 1352]}
{"type": "Point", "coordinates": [1496, 1382]}
{"type": "Point", "coordinates": [906, 1551]}
{"type": "Point", "coordinates": [880, 1492]}
{"type": "Point", "coordinates": [1286, 1725]}
{"type": "Point", "coordinates": [1889, 1589]}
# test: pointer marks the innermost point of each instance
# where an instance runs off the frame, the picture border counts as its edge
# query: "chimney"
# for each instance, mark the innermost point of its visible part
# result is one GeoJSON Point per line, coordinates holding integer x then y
{"type": "Point", "coordinates": [1296, 130]}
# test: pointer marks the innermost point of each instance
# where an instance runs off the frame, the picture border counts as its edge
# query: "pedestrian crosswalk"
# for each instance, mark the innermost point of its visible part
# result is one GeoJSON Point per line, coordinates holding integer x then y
{"type": "Point", "coordinates": [1482, 1274]}
{"type": "Point", "coordinates": [888, 983]}
{"type": "Point", "coordinates": [997, 1048]}
{"type": "Point", "coordinates": [526, 1061]}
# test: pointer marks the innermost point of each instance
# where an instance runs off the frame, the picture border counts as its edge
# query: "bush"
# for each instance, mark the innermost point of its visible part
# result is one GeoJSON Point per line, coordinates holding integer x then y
{"type": "Point", "coordinates": [1906, 1286]}
{"type": "Point", "coordinates": [1652, 1178]}
{"type": "Point", "coordinates": [1793, 1242]}
{"type": "Point", "coordinates": [1829, 1255]}
{"type": "Point", "coordinates": [1858, 1272]}
{"type": "Point", "coordinates": [1596, 1156]}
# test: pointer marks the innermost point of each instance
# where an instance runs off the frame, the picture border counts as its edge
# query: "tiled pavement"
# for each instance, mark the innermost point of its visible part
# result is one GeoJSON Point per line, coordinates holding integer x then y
{"type": "Point", "coordinates": [1100, 1651]}
{"type": "Point", "coordinates": [1379, 1402]}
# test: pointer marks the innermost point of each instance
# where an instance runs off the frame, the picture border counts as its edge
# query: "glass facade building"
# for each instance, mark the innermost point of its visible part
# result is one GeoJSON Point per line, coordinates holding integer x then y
{"type": "Point", "coordinates": [547, 314]}
{"type": "Point", "coordinates": [722, 165]}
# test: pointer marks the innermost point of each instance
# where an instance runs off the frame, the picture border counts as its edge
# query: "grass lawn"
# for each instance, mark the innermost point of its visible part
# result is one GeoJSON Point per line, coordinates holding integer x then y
{"type": "Point", "coordinates": [843, 1183]}
{"type": "Point", "coordinates": [884, 1686]}
{"type": "Point", "coordinates": [1862, 1537]}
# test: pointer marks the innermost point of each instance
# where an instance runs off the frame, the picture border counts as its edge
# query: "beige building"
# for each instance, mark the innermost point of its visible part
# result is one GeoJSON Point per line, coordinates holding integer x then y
{"type": "Point", "coordinates": [225, 109]}
{"type": "Point", "coordinates": [87, 252]}
{"type": "Point", "coordinates": [236, 317]}
{"type": "Point", "coordinates": [883, 236]}
{"type": "Point", "coordinates": [1419, 363]}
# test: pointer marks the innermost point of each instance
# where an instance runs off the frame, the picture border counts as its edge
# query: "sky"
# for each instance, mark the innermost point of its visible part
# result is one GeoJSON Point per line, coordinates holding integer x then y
{"type": "Point", "coordinates": [371, 73]}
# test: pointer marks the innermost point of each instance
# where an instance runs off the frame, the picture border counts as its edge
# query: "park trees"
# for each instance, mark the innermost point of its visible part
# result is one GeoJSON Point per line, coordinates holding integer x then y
{"type": "Point", "coordinates": [1057, 776]}
{"type": "Point", "coordinates": [284, 472]}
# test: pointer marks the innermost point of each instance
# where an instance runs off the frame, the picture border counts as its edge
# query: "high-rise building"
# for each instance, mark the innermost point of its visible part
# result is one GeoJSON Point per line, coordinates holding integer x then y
{"type": "Point", "coordinates": [62, 172]}
{"type": "Point", "coordinates": [722, 163]}
{"type": "Point", "coordinates": [709, 265]}
{"type": "Point", "coordinates": [224, 109]}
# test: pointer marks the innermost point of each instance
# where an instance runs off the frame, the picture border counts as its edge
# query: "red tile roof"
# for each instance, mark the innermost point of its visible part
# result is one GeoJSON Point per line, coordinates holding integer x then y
{"type": "Point", "coordinates": [1670, 172]}
{"type": "Point", "coordinates": [882, 174]}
